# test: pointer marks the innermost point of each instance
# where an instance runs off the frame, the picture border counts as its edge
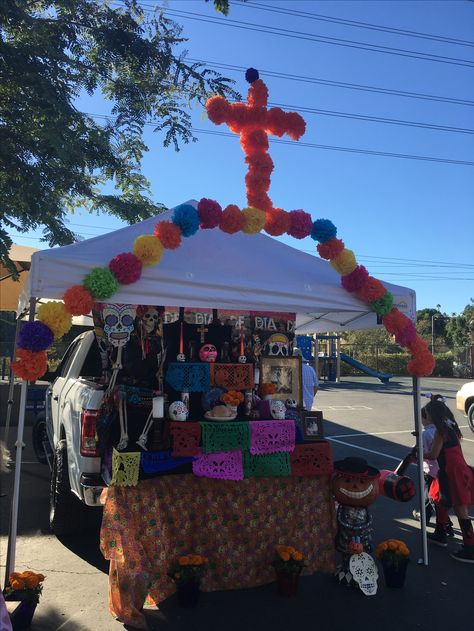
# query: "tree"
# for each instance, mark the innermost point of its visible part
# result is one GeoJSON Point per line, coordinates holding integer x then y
{"type": "Point", "coordinates": [54, 158]}
{"type": "Point", "coordinates": [460, 328]}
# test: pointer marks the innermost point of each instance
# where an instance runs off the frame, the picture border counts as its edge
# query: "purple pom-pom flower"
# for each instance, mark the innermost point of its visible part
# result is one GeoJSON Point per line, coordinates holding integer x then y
{"type": "Point", "coordinates": [35, 336]}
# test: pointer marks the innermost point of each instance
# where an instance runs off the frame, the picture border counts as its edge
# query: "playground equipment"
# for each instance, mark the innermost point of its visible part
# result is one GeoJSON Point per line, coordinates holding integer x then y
{"type": "Point", "coordinates": [325, 352]}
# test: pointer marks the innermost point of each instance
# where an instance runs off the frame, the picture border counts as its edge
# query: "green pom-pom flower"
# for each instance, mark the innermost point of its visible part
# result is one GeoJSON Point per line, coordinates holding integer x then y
{"type": "Point", "coordinates": [101, 283]}
{"type": "Point", "coordinates": [383, 305]}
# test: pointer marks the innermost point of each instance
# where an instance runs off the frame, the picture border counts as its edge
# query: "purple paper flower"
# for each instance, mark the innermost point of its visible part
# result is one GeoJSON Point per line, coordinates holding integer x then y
{"type": "Point", "coordinates": [35, 336]}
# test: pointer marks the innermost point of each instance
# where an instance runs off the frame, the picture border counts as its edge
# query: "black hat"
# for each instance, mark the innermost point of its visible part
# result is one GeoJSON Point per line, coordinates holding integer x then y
{"type": "Point", "coordinates": [356, 466]}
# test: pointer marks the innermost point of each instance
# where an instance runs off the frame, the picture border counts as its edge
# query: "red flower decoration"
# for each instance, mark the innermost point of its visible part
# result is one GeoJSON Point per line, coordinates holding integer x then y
{"type": "Point", "coordinates": [330, 248]}
{"type": "Point", "coordinates": [169, 234]}
{"type": "Point", "coordinates": [395, 321]}
{"type": "Point", "coordinates": [218, 109]}
{"type": "Point", "coordinates": [210, 213]}
{"type": "Point", "coordinates": [356, 279]}
{"type": "Point", "coordinates": [371, 290]}
{"type": "Point", "coordinates": [301, 224]}
{"type": "Point", "coordinates": [30, 366]}
{"type": "Point", "coordinates": [78, 300]}
{"type": "Point", "coordinates": [126, 267]}
{"type": "Point", "coordinates": [232, 219]}
{"type": "Point", "coordinates": [278, 222]}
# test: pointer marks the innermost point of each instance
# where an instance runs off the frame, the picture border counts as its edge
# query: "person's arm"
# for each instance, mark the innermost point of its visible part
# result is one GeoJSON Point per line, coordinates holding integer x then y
{"type": "Point", "coordinates": [435, 448]}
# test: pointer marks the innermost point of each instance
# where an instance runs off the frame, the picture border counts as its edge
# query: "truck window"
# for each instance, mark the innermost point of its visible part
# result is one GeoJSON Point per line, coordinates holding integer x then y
{"type": "Point", "coordinates": [67, 358]}
{"type": "Point", "coordinates": [92, 366]}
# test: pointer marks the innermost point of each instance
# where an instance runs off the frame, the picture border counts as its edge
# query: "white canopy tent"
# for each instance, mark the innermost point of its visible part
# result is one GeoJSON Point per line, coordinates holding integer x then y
{"type": "Point", "coordinates": [211, 269]}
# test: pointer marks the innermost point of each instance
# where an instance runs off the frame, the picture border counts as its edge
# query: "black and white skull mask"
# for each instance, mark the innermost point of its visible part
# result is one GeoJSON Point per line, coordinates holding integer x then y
{"type": "Point", "coordinates": [150, 319]}
{"type": "Point", "coordinates": [118, 323]}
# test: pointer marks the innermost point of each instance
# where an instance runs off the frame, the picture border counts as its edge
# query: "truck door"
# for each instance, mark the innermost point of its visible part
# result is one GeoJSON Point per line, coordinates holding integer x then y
{"type": "Point", "coordinates": [59, 384]}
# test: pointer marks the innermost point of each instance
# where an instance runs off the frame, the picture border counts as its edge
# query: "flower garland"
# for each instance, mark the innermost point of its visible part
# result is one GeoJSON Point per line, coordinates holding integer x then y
{"type": "Point", "coordinates": [253, 122]}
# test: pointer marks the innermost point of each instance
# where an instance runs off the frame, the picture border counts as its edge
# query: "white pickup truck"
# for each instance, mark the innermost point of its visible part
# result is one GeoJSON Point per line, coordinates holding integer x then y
{"type": "Point", "coordinates": [71, 413]}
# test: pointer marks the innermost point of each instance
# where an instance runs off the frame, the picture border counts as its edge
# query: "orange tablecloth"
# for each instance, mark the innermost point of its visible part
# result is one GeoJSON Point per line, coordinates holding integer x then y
{"type": "Point", "coordinates": [235, 524]}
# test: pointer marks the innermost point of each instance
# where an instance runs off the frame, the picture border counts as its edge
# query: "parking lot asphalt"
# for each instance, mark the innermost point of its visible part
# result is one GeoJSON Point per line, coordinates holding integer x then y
{"type": "Point", "coordinates": [362, 417]}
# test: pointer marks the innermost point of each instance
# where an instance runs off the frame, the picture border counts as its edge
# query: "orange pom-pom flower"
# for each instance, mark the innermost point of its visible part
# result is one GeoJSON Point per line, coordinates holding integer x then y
{"type": "Point", "coordinates": [30, 366]}
{"type": "Point", "coordinates": [330, 248]}
{"type": "Point", "coordinates": [232, 220]}
{"type": "Point", "coordinates": [78, 301]}
{"type": "Point", "coordinates": [169, 234]}
{"type": "Point", "coordinates": [277, 222]}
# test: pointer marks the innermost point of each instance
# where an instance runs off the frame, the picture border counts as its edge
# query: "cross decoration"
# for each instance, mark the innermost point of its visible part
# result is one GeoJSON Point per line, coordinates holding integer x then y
{"type": "Point", "coordinates": [254, 122]}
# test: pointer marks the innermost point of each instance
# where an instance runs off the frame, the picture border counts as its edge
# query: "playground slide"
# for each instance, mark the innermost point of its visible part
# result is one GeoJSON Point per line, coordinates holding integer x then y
{"type": "Point", "coordinates": [383, 376]}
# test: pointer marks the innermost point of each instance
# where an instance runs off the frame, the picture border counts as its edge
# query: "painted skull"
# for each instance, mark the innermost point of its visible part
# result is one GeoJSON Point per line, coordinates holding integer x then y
{"type": "Point", "coordinates": [208, 353]}
{"type": "Point", "coordinates": [277, 344]}
{"type": "Point", "coordinates": [118, 323]}
{"type": "Point", "coordinates": [291, 403]}
{"type": "Point", "coordinates": [178, 411]}
{"type": "Point", "coordinates": [242, 359]}
{"type": "Point", "coordinates": [180, 357]}
{"type": "Point", "coordinates": [150, 319]}
{"type": "Point", "coordinates": [365, 572]}
{"type": "Point", "coordinates": [277, 410]}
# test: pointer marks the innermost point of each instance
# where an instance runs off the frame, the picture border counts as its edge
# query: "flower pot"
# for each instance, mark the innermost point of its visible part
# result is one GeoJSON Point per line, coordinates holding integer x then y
{"type": "Point", "coordinates": [22, 617]}
{"type": "Point", "coordinates": [188, 593]}
{"type": "Point", "coordinates": [287, 583]}
{"type": "Point", "coordinates": [395, 574]}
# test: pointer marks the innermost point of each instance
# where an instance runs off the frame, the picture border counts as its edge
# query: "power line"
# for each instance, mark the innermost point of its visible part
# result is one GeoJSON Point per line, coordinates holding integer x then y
{"type": "Point", "coordinates": [341, 84]}
{"type": "Point", "coordinates": [357, 24]}
{"type": "Point", "coordinates": [250, 26]}
{"type": "Point", "coordinates": [311, 145]}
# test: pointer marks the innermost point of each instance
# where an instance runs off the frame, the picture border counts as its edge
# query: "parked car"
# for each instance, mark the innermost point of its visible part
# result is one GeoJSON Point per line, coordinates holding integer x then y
{"type": "Point", "coordinates": [465, 402]}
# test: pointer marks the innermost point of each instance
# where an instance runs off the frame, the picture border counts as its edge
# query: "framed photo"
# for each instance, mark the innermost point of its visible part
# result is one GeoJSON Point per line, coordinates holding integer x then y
{"type": "Point", "coordinates": [285, 374]}
{"type": "Point", "coordinates": [312, 425]}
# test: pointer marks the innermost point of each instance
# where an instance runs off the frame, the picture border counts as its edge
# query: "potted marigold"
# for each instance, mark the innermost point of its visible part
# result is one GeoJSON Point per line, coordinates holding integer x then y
{"type": "Point", "coordinates": [288, 563]}
{"type": "Point", "coordinates": [187, 572]}
{"type": "Point", "coordinates": [267, 389]}
{"type": "Point", "coordinates": [232, 398]}
{"type": "Point", "coordinates": [25, 587]}
{"type": "Point", "coordinates": [394, 557]}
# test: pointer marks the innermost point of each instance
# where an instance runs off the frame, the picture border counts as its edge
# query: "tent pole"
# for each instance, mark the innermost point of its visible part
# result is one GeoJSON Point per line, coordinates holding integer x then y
{"type": "Point", "coordinates": [11, 385]}
{"type": "Point", "coordinates": [13, 526]}
{"type": "Point", "coordinates": [419, 456]}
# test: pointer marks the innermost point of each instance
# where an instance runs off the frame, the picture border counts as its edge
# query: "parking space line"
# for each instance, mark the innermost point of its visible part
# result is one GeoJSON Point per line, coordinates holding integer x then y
{"type": "Point", "coordinates": [397, 431]}
{"type": "Point", "coordinates": [372, 451]}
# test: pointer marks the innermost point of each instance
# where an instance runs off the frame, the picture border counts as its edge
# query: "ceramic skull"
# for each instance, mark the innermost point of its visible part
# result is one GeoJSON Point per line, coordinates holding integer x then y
{"type": "Point", "coordinates": [118, 323]}
{"type": "Point", "coordinates": [178, 411]}
{"type": "Point", "coordinates": [150, 319]}
{"type": "Point", "coordinates": [242, 359]}
{"type": "Point", "coordinates": [277, 345]}
{"type": "Point", "coordinates": [277, 410]}
{"type": "Point", "coordinates": [365, 572]}
{"type": "Point", "coordinates": [291, 403]}
{"type": "Point", "coordinates": [180, 357]}
{"type": "Point", "coordinates": [208, 353]}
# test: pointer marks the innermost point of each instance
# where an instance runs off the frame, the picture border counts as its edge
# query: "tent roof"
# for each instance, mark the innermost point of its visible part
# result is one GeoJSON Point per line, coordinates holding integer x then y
{"type": "Point", "coordinates": [212, 269]}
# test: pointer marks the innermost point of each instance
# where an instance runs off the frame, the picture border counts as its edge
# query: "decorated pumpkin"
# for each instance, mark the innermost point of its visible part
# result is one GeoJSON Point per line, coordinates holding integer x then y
{"type": "Point", "coordinates": [354, 482]}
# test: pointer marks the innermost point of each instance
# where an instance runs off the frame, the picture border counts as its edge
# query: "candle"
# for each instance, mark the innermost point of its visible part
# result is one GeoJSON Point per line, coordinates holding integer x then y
{"type": "Point", "coordinates": [158, 407]}
{"type": "Point", "coordinates": [242, 349]}
{"type": "Point", "coordinates": [257, 375]}
{"type": "Point", "coordinates": [181, 339]}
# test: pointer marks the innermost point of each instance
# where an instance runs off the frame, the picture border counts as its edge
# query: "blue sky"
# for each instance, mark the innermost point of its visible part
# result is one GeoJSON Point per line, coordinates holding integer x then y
{"type": "Point", "coordinates": [410, 222]}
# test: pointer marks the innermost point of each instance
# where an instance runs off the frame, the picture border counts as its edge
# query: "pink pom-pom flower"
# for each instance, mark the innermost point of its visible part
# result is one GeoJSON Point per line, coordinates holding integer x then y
{"type": "Point", "coordinates": [354, 281]}
{"type": "Point", "coordinates": [301, 224]}
{"type": "Point", "coordinates": [126, 267]}
{"type": "Point", "coordinates": [407, 335]}
{"type": "Point", "coordinates": [210, 213]}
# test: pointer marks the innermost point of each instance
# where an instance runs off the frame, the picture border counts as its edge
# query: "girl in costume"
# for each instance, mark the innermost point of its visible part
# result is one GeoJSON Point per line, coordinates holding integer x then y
{"type": "Point", "coordinates": [454, 484]}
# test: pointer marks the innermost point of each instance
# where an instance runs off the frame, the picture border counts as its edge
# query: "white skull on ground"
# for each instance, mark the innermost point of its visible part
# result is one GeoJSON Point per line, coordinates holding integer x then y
{"type": "Point", "coordinates": [365, 572]}
{"type": "Point", "coordinates": [178, 411]}
{"type": "Point", "coordinates": [118, 323]}
{"type": "Point", "coordinates": [277, 410]}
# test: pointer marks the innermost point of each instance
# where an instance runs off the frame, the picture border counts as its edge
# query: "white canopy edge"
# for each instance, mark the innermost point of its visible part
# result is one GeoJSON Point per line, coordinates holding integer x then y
{"type": "Point", "coordinates": [213, 269]}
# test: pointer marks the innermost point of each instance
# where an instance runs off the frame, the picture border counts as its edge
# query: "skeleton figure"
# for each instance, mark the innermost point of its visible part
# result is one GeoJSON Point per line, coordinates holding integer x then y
{"type": "Point", "coordinates": [277, 345]}
{"type": "Point", "coordinates": [365, 572]}
{"type": "Point", "coordinates": [118, 323]}
{"type": "Point", "coordinates": [277, 410]}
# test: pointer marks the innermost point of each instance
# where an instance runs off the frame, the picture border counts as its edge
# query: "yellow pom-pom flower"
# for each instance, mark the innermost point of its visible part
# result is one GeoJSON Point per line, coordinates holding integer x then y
{"type": "Point", "coordinates": [345, 262]}
{"type": "Point", "coordinates": [55, 316]}
{"type": "Point", "coordinates": [148, 249]}
{"type": "Point", "coordinates": [254, 220]}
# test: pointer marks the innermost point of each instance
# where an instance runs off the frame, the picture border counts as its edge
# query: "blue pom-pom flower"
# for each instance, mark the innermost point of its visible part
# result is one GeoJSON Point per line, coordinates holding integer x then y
{"type": "Point", "coordinates": [323, 230]}
{"type": "Point", "coordinates": [187, 219]}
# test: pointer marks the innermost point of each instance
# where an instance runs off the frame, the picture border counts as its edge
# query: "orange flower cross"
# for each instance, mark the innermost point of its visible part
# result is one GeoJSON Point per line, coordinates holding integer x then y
{"type": "Point", "coordinates": [254, 122]}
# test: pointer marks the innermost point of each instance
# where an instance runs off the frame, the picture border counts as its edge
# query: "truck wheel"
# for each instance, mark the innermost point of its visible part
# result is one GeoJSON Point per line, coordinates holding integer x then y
{"type": "Point", "coordinates": [470, 416]}
{"type": "Point", "coordinates": [67, 514]}
{"type": "Point", "coordinates": [40, 438]}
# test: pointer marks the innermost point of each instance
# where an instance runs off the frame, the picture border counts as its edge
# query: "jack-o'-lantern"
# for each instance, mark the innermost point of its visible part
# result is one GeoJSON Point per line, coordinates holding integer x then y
{"type": "Point", "coordinates": [354, 482]}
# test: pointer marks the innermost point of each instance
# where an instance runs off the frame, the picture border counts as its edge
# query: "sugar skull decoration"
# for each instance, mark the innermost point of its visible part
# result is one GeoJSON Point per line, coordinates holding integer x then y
{"type": "Point", "coordinates": [277, 410]}
{"type": "Point", "coordinates": [118, 323]}
{"type": "Point", "coordinates": [291, 403]}
{"type": "Point", "coordinates": [277, 345]}
{"type": "Point", "coordinates": [364, 572]}
{"type": "Point", "coordinates": [354, 484]}
{"type": "Point", "coordinates": [208, 353]}
{"type": "Point", "coordinates": [178, 411]}
{"type": "Point", "coordinates": [242, 359]}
